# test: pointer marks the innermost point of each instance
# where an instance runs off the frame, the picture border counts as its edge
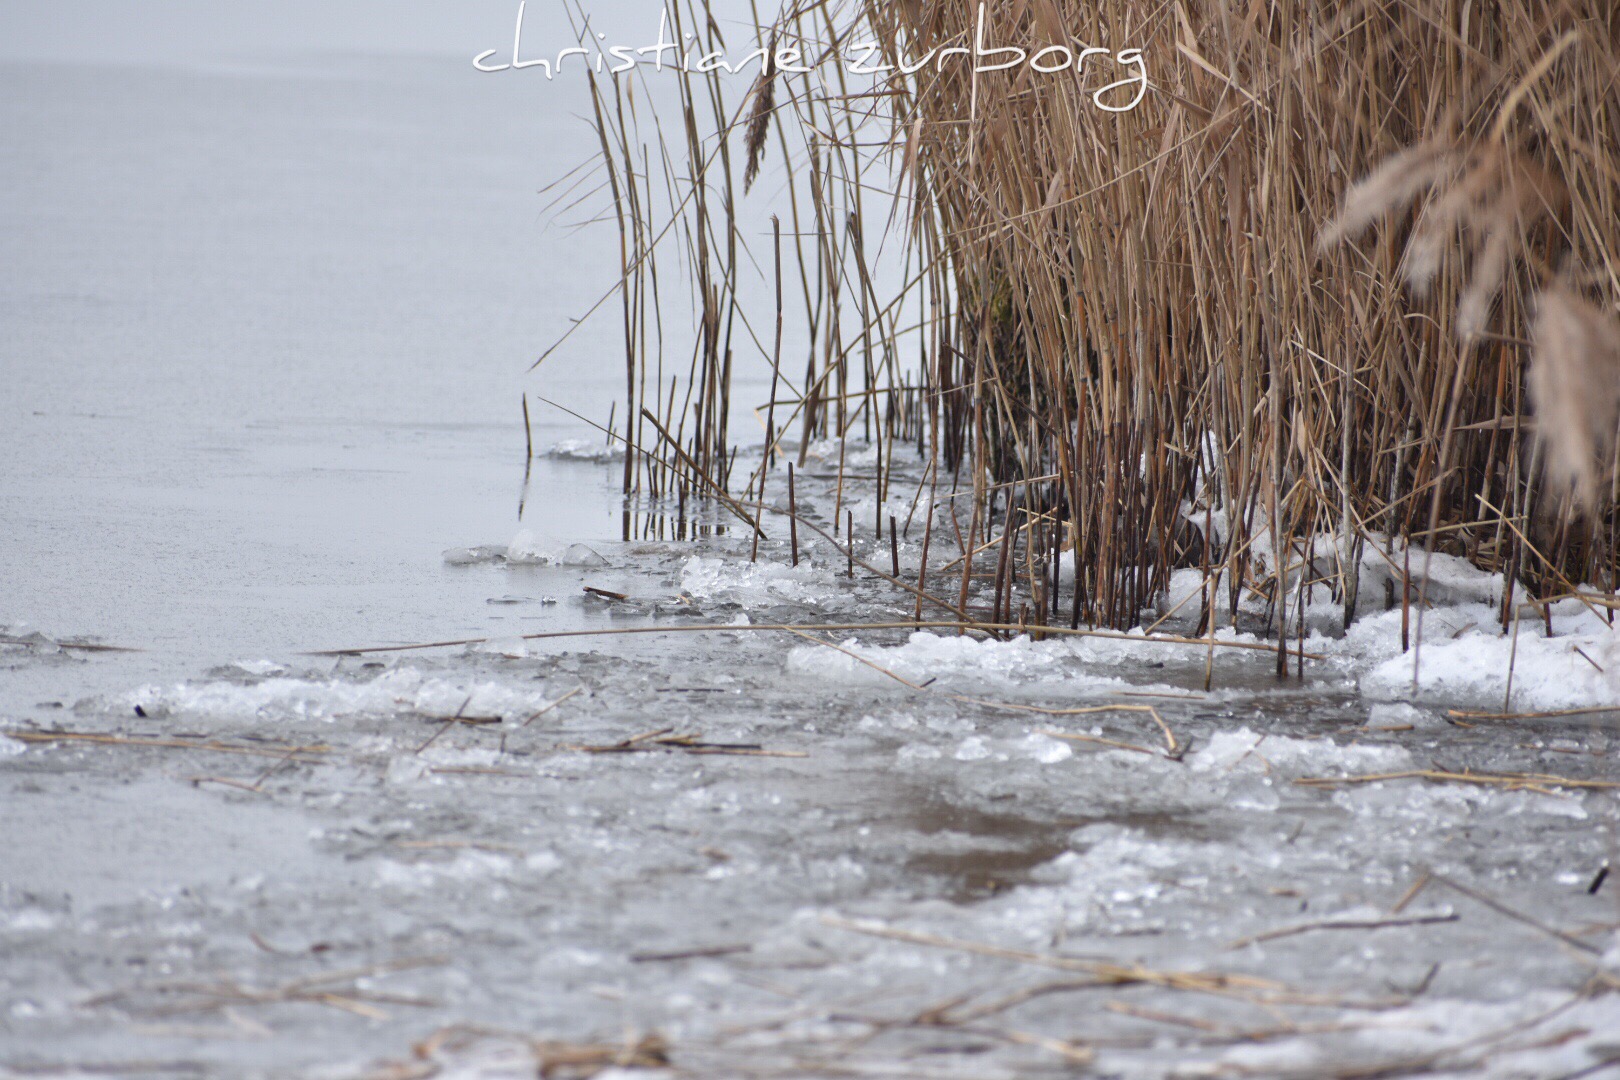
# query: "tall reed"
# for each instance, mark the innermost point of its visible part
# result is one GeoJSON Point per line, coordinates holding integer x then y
{"type": "Point", "coordinates": [1316, 293]}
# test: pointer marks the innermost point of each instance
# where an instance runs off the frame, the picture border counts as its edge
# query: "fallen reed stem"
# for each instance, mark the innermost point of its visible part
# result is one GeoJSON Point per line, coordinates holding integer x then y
{"type": "Point", "coordinates": [711, 628]}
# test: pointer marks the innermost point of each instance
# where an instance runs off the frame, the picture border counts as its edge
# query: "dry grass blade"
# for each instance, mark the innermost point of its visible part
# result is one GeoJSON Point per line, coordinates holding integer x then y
{"type": "Point", "coordinates": [73, 646]}
{"type": "Point", "coordinates": [1107, 974]}
{"type": "Point", "coordinates": [307, 754]}
{"type": "Point", "coordinates": [554, 1059]}
{"type": "Point", "coordinates": [755, 628]}
{"type": "Point", "coordinates": [1343, 924]}
{"type": "Point", "coordinates": [1517, 916]}
{"type": "Point", "coordinates": [1225, 984]}
{"type": "Point", "coordinates": [320, 989]}
{"type": "Point", "coordinates": [551, 705]}
{"type": "Point", "coordinates": [1464, 714]}
{"type": "Point", "coordinates": [1540, 782]}
{"type": "Point", "coordinates": [665, 740]}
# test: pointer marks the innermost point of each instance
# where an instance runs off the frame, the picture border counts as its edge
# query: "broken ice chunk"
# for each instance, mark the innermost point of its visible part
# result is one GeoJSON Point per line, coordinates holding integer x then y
{"type": "Point", "coordinates": [473, 556]}
{"type": "Point", "coordinates": [531, 550]}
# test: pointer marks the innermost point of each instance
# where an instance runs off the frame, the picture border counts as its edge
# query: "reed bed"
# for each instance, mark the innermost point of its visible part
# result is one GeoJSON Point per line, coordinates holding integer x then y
{"type": "Point", "coordinates": [1346, 276]}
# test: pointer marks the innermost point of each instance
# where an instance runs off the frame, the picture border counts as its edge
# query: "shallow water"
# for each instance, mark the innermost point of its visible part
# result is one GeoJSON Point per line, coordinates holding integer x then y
{"type": "Point", "coordinates": [253, 400]}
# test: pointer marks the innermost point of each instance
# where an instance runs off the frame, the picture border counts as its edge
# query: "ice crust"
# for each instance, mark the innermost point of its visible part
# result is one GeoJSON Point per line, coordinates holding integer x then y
{"type": "Point", "coordinates": [753, 584]}
{"type": "Point", "coordinates": [529, 548]}
{"type": "Point", "coordinates": [582, 883]}
{"type": "Point", "coordinates": [406, 690]}
{"type": "Point", "coordinates": [1464, 659]}
{"type": "Point", "coordinates": [956, 659]}
{"type": "Point", "coordinates": [1228, 751]}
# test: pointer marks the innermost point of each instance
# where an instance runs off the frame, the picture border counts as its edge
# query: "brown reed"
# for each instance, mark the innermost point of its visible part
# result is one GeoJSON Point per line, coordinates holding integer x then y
{"type": "Point", "coordinates": [1182, 335]}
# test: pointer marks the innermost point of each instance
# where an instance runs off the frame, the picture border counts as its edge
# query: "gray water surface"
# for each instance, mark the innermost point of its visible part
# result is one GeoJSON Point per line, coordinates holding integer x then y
{"type": "Point", "coordinates": [265, 341]}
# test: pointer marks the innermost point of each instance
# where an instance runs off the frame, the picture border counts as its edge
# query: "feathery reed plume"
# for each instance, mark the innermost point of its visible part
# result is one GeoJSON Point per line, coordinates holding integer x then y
{"type": "Point", "coordinates": [1388, 189]}
{"type": "Point", "coordinates": [1494, 197]}
{"type": "Point", "coordinates": [759, 121]}
{"type": "Point", "coordinates": [1575, 388]}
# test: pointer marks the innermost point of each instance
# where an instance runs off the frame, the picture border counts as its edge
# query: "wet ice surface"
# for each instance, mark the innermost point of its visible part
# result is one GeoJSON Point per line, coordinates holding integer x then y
{"type": "Point", "coordinates": [778, 860]}
{"type": "Point", "coordinates": [758, 855]}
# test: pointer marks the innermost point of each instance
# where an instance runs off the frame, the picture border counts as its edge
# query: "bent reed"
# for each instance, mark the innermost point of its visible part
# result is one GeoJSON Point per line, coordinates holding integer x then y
{"type": "Point", "coordinates": [1318, 293]}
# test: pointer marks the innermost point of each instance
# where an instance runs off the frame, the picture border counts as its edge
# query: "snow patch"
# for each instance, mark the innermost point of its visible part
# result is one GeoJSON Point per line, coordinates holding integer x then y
{"type": "Point", "coordinates": [1465, 658]}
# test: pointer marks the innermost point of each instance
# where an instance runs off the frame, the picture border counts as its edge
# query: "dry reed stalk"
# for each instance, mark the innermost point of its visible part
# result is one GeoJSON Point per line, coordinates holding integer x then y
{"type": "Point", "coordinates": [307, 754]}
{"type": "Point", "coordinates": [1223, 984]}
{"type": "Point", "coordinates": [1538, 782]}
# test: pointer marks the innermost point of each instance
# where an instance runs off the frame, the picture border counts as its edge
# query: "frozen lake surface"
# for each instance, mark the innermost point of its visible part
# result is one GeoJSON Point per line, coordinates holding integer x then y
{"type": "Point", "coordinates": [265, 333]}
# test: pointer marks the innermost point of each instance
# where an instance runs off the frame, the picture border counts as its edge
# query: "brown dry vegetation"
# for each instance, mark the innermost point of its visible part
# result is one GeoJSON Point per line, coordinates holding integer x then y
{"type": "Point", "coordinates": [1295, 290]}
